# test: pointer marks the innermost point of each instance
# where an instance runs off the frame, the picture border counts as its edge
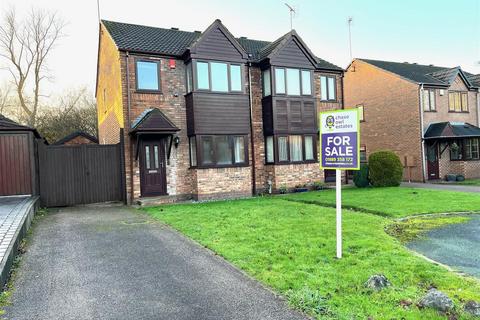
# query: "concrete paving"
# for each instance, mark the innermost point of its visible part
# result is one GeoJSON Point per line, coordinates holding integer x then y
{"type": "Point", "coordinates": [442, 186]}
{"type": "Point", "coordinates": [113, 263]}
{"type": "Point", "coordinates": [16, 213]}
{"type": "Point", "coordinates": [455, 245]}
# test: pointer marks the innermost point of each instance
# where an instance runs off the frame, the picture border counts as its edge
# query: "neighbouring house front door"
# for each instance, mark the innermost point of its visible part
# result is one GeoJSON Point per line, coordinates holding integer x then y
{"type": "Point", "coordinates": [432, 162]}
{"type": "Point", "coordinates": [153, 180]}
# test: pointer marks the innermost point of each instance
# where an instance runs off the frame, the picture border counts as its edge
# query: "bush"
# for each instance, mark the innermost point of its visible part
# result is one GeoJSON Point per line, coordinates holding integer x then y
{"type": "Point", "coordinates": [385, 169]}
{"type": "Point", "coordinates": [360, 177]}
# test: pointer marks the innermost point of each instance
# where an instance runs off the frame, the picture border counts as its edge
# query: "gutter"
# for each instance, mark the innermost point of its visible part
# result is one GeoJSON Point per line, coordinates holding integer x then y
{"type": "Point", "coordinates": [424, 173]}
{"type": "Point", "coordinates": [250, 105]}
{"type": "Point", "coordinates": [128, 125]}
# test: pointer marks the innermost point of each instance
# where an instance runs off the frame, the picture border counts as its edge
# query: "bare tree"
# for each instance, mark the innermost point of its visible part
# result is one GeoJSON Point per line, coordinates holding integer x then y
{"type": "Point", "coordinates": [75, 110]}
{"type": "Point", "coordinates": [5, 98]}
{"type": "Point", "coordinates": [26, 45]}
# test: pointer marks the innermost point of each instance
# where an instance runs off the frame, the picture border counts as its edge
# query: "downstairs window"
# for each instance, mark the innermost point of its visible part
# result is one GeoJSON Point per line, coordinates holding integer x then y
{"type": "Point", "coordinates": [218, 151]}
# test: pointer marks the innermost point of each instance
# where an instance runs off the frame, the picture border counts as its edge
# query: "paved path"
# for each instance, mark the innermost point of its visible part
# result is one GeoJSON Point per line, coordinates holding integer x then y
{"type": "Point", "coordinates": [113, 263]}
{"type": "Point", "coordinates": [441, 186]}
{"type": "Point", "coordinates": [456, 245]}
{"type": "Point", "coordinates": [16, 213]}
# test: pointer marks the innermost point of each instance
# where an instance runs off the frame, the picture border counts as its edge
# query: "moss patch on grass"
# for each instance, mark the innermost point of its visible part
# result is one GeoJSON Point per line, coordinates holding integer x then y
{"type": "Point", "coordinates": [413, 228]}
{"type": "Point", "coordinates": [290, 246]}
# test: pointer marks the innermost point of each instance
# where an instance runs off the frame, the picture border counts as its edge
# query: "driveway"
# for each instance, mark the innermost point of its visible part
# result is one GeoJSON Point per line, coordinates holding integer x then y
{"type": "Point", "coordinates": [456, 245]}
{"type": "Point", "coordinates": [114, 263]}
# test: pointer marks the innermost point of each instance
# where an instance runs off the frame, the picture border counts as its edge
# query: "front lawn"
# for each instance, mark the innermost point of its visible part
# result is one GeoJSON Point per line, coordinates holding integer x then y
{"type": "Point", "coordinates": [290, 246]}
{"type": "Point", "coordinates": [395, 202]}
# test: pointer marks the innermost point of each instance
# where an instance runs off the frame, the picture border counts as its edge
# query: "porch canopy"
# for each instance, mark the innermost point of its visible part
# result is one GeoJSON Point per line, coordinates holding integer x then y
{"type": "Point", "coordinates": [451, 131]}
{"type": "Point", "coordinates": [153, 122]}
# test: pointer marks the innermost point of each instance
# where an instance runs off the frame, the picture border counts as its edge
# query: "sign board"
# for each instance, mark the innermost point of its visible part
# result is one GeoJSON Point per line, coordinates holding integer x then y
{"type": "Point", "coordinates": [340, 150]}
{"type": "Point", "coordinates": [340, 139]}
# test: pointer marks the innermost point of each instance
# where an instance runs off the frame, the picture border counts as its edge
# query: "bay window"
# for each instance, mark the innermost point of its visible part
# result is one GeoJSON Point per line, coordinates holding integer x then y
{"type": "Point", "coordinates": [467, 149]}
{"type": "Point", "coordinates": [218, 76]}
{"type": "Point", "coordinates": [279, 81]}
{"type": "Point", "coordinates": [266, 81]}
{"type": "Point", "coordinates": [292, 82]}
{"type": "Point", "coordinates": [291, 148]}
{"type": "Point", "coordinates": [296, 153]}
{"type": "Point", "coordinates": [306, 82]}
{"type": "Point", "coordinates": [218, 150]}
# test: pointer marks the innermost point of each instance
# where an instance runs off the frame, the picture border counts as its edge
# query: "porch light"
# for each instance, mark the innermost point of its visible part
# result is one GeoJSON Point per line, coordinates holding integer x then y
{"type": "Point", "coordinates": [176, 141]}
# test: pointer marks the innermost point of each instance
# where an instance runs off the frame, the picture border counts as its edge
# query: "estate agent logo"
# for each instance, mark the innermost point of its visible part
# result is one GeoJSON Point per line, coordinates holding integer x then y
{"type": "Point", "coordinates": [339, 141]}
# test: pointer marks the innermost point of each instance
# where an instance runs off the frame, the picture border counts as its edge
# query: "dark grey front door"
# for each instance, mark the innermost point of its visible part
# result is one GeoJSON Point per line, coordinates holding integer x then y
{"type": "Point", "coordinates": [153, 180]}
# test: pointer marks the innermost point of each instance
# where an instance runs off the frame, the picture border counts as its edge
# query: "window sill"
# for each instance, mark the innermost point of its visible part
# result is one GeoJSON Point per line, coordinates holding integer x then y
{"type": "Point", "coordinates": [240, 165]}
{"type": "Point", "coordinates": [430, 111]}
{"type": "Point", "coordinates": [331, 101]}
{"type": "Point", "coordinates": [290, 162]}
{"type": "Point", "coordinates": [449, 111]}
{"type": "Point", "coordinates": [148, 91]}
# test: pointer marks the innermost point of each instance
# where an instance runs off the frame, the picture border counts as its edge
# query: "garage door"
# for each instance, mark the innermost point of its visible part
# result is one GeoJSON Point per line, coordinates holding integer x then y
{"type": "Point", "coordinates": [15, 164]}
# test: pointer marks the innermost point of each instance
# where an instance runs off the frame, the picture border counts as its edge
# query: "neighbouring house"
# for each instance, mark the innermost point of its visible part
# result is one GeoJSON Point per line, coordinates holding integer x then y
{"type": "Point", "coordinates": [207, 115]}
{"type": "Point", "coordinates": [77, 137]}
{"type": "Point", "coordinates": [428, 115]}
{"type": "Point", "coordinates": [18, 171]}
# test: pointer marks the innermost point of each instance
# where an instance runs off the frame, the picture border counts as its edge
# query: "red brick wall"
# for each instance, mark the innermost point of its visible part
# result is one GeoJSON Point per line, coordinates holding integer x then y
{"type": "Point", "coordinates": [469, 169]}
{"type": "Point", "coordinates": [442, 114]}
{"type": "Point", "coordinates": [392, 117]}
{"type": "Point", "coordinates": [79, 140]}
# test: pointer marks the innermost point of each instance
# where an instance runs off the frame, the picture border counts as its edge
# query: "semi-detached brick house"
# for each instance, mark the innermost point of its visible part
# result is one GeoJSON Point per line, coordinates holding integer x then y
{"type": "Point", "coordinates": [207, 115]}
{"type": "Point", "coordinates": [428, 115]}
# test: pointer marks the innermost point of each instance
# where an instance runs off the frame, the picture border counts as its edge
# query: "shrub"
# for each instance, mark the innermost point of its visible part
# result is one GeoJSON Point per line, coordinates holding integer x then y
{"type": "Point", "coordinates": [318, 185]}
{"type": "Point", "coordinates": [360, 177]}
{"type": "Point", "coordinates": [283, 189]}
{"type": "Point", "coordinates": [385, 169]}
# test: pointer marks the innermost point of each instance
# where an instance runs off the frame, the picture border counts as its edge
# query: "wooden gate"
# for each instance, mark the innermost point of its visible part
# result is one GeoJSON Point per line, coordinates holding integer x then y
{"type": "Point", "coordinates": [81, 174]}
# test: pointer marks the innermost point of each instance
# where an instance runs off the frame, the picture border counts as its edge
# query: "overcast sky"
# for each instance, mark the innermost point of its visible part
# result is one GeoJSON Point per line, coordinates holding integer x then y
{"type": "Point", "coordinates": [444, 33]}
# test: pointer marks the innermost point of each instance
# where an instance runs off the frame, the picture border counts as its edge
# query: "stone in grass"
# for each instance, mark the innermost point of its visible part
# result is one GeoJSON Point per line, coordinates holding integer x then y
{"type": "Point", "coordinates": [473, 308]}
{"type": "Point", "coordinates": [377, 282]}
{"type": "Point", "coordinates": [437, 300]}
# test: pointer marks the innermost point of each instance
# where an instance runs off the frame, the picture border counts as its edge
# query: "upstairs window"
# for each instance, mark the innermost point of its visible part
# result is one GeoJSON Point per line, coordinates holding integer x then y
{"type": "Point", "coordinates": [279, 81]}
{"type": "Point", "coordinates": [327, 88]}
{"type": "Point", "coordinates": [219, 76]}
{"type": "Point", "coordinates": [148, 75]}
{"type": "Point", "coordinates": [203, 79]}
{"type": "Point", "coordinates": [306, 82]}
{"type": "Point", "coordinates": [293, 82]}
{"type": "Point", "coordinates": [266, 82]}
{"type": "Point", "coordinates": [457, 101]}
{"type": "Point", "coordinates": [429, 100]}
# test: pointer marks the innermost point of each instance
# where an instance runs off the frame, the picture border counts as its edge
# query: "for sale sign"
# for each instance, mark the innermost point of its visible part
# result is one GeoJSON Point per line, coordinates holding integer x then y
{"type": "Point", "coordinates": [340, 140]}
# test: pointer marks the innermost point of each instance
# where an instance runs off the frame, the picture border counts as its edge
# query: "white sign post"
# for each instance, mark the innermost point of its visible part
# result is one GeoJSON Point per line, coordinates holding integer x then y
{"type": "Point", "coordinates": [340, 145]}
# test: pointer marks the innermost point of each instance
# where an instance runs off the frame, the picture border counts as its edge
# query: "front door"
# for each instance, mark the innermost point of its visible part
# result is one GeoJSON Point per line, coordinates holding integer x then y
{"type": "Point", "coordinates": [432, 162]}
{"type": "Point", "coordinates": [152, 167]}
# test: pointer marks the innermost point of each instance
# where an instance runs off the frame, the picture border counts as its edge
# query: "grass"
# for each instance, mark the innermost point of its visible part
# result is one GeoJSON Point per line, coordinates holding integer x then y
{"type": "Point", "coordinates": [416, 227]}
{"type": "Point", "coordinates": [394, 202]}
{"type": "Point", "coordinates": [469, 182]}
{"type": "Point", "coordinates": [290, 246]}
